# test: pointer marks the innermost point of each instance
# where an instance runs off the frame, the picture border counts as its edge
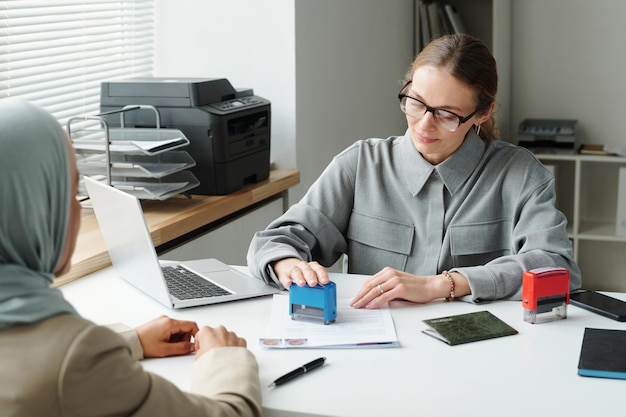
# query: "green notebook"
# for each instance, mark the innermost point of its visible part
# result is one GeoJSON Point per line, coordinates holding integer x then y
{"type": "Point", "coordinates": [469, 327]}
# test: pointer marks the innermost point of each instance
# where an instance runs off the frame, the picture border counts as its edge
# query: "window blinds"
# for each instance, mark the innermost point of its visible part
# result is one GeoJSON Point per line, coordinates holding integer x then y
{"type": "Point", "coordinates": [56, 53]}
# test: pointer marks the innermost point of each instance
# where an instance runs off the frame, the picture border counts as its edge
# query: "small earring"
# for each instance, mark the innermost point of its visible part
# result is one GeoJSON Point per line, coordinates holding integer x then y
{"type": "Point", "coordinates": [478, 130]}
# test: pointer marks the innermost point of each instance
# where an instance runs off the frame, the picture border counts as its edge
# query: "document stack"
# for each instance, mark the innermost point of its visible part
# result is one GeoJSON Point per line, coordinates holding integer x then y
{"type": "Point", "coordinates": [145, 162]}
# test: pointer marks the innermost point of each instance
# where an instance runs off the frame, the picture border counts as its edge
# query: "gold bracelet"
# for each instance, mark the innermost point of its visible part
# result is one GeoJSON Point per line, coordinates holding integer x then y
{"type": "Point", "coordinates": [452, 286]}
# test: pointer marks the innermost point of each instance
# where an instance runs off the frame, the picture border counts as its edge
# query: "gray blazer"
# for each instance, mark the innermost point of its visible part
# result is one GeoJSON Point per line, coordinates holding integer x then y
{"type": "Point", "coordinates": [68, 366]}
{"type": "Point", "coordinates": [488, 212]}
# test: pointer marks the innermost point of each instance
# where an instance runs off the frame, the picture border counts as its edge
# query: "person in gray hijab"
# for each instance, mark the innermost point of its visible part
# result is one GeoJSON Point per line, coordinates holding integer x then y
{"type": "Point", "coordinates": [56, 363]}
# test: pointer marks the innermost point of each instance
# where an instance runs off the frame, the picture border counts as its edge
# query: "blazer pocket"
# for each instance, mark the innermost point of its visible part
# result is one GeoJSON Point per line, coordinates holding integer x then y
{"type": "Point", "coordinates": [374, 243]}
{"type": "Point", "coordinates": [479, 243]}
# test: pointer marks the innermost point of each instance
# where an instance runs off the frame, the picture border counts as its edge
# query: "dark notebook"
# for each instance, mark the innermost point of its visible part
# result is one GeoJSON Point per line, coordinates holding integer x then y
{"type": "Point", "coordinates": [603, 354]}
{"type": "Point", "coordinates": [469, 327]}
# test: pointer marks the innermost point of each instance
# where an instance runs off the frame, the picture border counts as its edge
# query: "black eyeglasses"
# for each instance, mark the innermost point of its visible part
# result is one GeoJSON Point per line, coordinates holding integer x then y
{"type": "Point", "coordinates": [417, 109]}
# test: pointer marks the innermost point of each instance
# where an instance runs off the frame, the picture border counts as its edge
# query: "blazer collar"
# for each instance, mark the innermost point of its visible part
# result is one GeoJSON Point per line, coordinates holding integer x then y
{"type": "Point", "coordinates": [454, 171]}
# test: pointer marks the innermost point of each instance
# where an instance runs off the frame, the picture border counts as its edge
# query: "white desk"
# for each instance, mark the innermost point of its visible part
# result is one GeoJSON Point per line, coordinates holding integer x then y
{"type": "Point", "coordinates": [532, 373]}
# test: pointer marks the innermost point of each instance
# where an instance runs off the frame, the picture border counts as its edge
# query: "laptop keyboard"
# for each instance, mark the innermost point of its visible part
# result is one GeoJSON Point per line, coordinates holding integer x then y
{"type": "Point", "coordinates": [184, 284]}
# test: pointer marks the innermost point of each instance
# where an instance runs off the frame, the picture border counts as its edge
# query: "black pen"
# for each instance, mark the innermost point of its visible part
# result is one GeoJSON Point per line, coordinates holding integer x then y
{"type": "Point", "coordinates": [297, 372]}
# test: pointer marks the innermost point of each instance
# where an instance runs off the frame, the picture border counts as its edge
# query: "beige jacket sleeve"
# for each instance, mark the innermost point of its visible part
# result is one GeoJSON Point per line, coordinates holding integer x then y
{"type": "Point", "coordinates": [132, 338]}
{"type": "Point", "coordinates": [99, 377]}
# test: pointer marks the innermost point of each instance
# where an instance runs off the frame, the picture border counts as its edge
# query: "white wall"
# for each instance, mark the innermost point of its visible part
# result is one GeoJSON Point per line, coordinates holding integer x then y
{"type": "Point", "coordinates": [249, 42]}
{"type": "Point", "coordinates": [569, 62]}
{"type": "Point", "coordinates": [351, 56]}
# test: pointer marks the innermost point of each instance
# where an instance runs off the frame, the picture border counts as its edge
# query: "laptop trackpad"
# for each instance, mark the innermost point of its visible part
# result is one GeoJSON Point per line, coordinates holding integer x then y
{"type": "Point", "coordinates": [229, 278]}
{"type": "Point", "coordinates": [204, 266]}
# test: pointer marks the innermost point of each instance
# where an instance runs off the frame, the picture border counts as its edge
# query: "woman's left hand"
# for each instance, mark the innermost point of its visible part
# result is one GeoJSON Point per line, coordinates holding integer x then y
{"type": "Point", "coordinates": [390, 284]}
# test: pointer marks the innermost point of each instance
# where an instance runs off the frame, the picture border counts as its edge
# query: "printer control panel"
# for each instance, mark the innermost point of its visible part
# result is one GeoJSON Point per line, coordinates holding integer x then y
{"type": "Point", "coordinates": [237, 103]}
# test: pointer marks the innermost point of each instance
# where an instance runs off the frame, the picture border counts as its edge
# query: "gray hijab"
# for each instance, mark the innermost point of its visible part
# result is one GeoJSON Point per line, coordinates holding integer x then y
{"type": "Point", "coordinates": [34, 212]}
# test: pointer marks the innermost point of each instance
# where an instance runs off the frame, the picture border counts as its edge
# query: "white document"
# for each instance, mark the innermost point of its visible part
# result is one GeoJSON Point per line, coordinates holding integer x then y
{"type": "Point", "coordinates": [353, 328]}
{"type": "Point", "coordinates": [134, 147]}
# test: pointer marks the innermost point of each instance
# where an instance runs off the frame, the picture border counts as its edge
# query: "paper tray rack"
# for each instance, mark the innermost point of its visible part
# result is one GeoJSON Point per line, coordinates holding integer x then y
{"type": "Point", "coordinates": [152, 188]}
{"type": "Point", "coordinates": [139, 166]}
{"type": "Point", "coordinates": [133, 141]}
{"type": "Point", "coordinates": [144, 162]}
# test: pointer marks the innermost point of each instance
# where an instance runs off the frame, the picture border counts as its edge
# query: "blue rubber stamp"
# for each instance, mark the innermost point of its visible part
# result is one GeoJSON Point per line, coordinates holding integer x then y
{"type": "Point", "coordinates": [315, 304]}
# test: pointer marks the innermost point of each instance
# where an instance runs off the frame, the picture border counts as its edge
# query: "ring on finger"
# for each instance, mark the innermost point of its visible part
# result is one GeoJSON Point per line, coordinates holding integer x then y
{"type": "Point", "coordinates": [381, 289]}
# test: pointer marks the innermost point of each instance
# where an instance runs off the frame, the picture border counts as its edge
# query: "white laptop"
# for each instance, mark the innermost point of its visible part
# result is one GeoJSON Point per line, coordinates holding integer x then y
{"type": "Point", "coordinates": [134, 258]}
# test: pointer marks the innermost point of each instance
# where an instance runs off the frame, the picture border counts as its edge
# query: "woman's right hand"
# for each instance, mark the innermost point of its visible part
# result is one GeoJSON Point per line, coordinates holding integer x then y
{"type": "Point", "coordinates": [294, 270]}
{"type": "Point", "coordinates": [211, 337]}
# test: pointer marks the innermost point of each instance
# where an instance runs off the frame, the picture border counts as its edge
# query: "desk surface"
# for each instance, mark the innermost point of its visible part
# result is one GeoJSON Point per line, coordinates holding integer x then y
{"type": "Point", "coordinates": [172, 218]}
{"type": "Point", "coordinates": [532, 373]}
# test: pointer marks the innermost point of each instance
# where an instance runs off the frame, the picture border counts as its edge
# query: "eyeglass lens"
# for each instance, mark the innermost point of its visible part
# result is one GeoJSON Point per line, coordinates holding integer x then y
{"type": "Point", "coordinates": [416, 109]}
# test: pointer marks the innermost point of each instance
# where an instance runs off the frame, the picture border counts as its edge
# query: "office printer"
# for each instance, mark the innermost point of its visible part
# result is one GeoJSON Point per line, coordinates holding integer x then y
{"type": "Point", "coordinates": [228, 128]}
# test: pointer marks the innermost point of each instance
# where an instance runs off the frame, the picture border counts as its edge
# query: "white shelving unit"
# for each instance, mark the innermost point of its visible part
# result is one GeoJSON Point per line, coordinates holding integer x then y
{"type": "Point", "coordinates": [586, 189]}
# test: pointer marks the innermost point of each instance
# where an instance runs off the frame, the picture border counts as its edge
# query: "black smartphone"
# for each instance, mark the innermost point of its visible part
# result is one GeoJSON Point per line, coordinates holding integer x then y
{"type": "Point", "coordinates": [600, 304]}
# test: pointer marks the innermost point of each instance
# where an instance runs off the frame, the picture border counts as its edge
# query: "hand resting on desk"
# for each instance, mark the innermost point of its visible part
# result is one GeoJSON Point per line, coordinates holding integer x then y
{"type": "Point", "coordinates": [212, 337]}
{"type": "Point", "coordinates": [165, 336]}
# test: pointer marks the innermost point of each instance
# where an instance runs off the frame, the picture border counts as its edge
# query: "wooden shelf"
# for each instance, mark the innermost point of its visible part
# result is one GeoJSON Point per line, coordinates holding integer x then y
{"type": "Point", "coordinates": [172, 218]}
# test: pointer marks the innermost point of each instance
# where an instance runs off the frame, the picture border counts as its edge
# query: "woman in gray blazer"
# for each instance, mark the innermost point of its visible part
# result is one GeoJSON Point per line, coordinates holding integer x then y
{"type": "Point", "coordinates": [446, 210]}
{"type": "Point", "coordinates": [55, 363]}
